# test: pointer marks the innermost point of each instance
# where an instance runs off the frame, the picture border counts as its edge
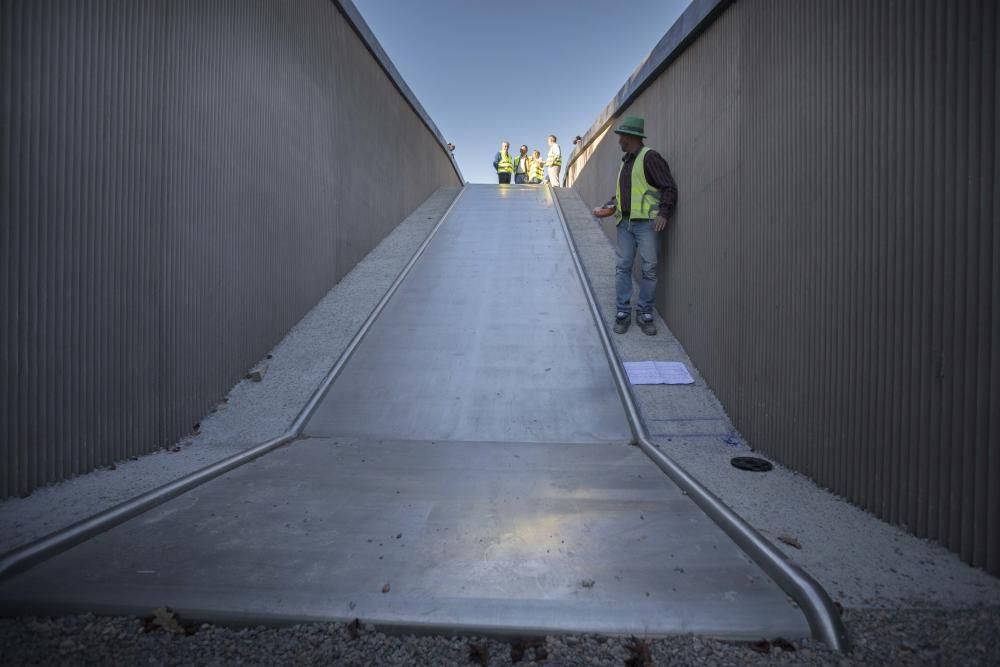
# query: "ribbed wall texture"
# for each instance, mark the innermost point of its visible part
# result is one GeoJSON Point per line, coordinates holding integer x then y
{"type": "Point", "coordinates": [834, 265]}
{"type": "Point", "coordinates": [181, 181]}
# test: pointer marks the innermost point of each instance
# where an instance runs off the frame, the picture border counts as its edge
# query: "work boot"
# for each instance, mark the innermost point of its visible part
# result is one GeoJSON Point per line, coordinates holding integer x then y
{"type": "Point", "coordinates": [622, 320]}
{"type": "Point", "coordinates": [645, 322]}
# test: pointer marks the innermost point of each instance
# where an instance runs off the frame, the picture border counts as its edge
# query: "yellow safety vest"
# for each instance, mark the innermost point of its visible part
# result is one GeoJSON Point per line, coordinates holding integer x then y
{"type": "Point", "coordinates": [553, 160]}
{"type": "Point", "coordinates": [536, 169]}
{"type": "Point", "coordinates": [645, 198]}
{"type": "Point", "coordinates": [527, 163]}
{"type": "Point", "coordinates": [506, 165]}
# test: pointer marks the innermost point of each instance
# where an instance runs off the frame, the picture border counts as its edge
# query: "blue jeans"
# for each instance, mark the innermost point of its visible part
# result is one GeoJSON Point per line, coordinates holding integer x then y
{"type": "Point", "coordinates": [634, 234]}
{"type": "Point", "coordinates": [519, 179]}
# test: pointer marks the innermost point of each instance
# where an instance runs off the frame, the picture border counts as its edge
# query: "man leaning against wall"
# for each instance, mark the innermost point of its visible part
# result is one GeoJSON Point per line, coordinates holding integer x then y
{"type": "Point", "coordinates": [645, 197]}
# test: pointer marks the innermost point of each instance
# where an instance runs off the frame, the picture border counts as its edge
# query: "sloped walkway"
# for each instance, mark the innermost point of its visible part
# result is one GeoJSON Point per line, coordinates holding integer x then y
{"type": "Point", "coordinates": [468, 470]}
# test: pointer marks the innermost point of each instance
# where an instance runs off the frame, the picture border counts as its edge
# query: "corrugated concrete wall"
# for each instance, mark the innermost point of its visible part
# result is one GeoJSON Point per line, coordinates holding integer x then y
{"type": "Point", "coordinates": [834, 265]}
{"type": "Point", "coordinates": [181, 181]}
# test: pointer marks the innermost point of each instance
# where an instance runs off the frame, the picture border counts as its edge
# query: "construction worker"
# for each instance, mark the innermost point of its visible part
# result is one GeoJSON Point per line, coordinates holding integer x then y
{"type": "Point", "coordinates": [536, 168]}
{"type": "Point", "coordinates": [503, 163]}
{"type": "Point", "coordinates": [645, 197]}
{"type": "Point", "coordinates": [521, 166]}
{"type": "Point", "coordinates": [553, 161]}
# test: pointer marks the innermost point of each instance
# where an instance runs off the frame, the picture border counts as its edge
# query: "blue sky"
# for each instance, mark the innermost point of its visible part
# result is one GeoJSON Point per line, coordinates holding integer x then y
{"type": "Point", "coordinates": [492, 70]}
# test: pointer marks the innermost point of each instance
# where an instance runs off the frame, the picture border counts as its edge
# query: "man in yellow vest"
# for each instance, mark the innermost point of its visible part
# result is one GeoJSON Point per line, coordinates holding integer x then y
{"type": "Point", "coordinates": [536, 170]}
{"type": "Point", "coordinates": [645, 197]}
{"type": "Point", "coordinates": [521, 163]}
{"type": "Point", "coordinates": [553, 161]}
{"type": "Point", "coordinates": [503, 163]}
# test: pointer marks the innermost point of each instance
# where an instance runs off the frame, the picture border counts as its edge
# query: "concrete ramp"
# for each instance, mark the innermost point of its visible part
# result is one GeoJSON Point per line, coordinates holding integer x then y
{"type": "Point", "coordinates": [469, 470]}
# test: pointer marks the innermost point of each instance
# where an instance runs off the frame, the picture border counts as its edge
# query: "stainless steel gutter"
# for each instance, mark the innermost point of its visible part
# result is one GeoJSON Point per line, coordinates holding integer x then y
{"type": "Point", "coordinates": [813, 600]}
{"type": "Point", "coordinates": [24, 557]}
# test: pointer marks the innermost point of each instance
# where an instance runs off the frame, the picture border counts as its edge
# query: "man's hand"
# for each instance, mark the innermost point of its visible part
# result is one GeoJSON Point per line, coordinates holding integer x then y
{"type": "Point", "coordinates": [602, 212]}
{"type": "Point", "coordinates": [660, 224]}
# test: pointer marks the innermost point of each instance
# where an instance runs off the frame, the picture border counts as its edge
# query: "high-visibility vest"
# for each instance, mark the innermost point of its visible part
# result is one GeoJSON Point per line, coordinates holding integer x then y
{"type": "Point", "coordinates": [645, 203]}
{"type": "Point", "coordinates": [554, 158]}
{"type": "Point", "coordinates": [505, 165]}
{"type": "Point", "coordinates": [536, 169]}
{"type": "Point", "coordinates": [517, 163]}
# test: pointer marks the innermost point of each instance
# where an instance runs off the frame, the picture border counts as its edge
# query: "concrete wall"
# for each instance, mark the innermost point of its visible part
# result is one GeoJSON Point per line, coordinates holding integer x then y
{"type": "Point", "coordinates": [180, 181]}
{"type": "Point", "coordinates": [834, 265]}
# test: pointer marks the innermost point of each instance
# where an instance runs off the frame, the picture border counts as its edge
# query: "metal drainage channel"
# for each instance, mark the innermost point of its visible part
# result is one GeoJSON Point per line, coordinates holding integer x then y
{"type": "Point", "coordinates": [823, 619]}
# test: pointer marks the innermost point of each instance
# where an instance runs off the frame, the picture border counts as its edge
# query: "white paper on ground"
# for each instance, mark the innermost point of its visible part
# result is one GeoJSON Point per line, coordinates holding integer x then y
{"type": "Point", "coordinates": [657, 372]}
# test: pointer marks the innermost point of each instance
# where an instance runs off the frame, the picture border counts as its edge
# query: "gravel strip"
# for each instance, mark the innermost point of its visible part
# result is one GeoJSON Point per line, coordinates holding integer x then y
{"type": "Point", "coordinates": [882, 637]}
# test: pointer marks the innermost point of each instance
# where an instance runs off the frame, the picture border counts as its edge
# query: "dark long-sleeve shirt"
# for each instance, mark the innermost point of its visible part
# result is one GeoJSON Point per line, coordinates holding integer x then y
{"type": "Point", "coordinates": [658, 175]}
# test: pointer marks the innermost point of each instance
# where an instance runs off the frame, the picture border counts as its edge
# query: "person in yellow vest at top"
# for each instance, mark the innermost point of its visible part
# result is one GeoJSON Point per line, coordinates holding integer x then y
{"type": "Point", "coordinates": [645, 197]}
{"type": "Point", "coordinates": [553, 161]}
{"type": "Point", "coordinates": [521, 166]}
{"type": "Point", "coordinates": [503, 163]}
{"type": "Point", "coordinates": [536, 168]}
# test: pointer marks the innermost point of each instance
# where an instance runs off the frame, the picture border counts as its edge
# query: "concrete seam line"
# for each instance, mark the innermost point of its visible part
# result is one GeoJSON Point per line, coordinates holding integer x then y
{"type": "Point", "coordinates": [813, 600]}
{"type": "Point", "coordinates": [24, 557]}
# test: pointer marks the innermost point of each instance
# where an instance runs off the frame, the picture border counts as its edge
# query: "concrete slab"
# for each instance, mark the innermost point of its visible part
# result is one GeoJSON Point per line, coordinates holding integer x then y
{"type": "Point", "coordinates": [488, 339]}
{"type": "Point", "coordinates": [498, 537]}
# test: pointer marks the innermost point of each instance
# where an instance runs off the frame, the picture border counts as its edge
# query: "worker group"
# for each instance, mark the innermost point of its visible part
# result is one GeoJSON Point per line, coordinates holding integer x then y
{"type": "Point", "coordinates": [527, 169]}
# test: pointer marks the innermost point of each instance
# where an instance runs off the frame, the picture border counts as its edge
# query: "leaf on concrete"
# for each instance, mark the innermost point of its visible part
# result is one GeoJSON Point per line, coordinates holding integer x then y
{"type": "Point", "coordinates": [790, 541]}
{"type": "Point", "coordinates": [385, 589]}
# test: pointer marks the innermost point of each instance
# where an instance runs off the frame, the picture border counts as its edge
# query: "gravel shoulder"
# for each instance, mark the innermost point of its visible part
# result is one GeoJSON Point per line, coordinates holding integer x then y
{"type": "Point", "coordinates": [886, 637]}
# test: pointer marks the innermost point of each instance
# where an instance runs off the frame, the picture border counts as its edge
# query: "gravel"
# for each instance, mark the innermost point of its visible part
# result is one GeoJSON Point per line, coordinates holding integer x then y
{"type": "Point", "coordinates": [881, 637]}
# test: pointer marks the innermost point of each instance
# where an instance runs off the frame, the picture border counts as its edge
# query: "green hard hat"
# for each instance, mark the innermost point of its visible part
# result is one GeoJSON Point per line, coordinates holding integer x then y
{"type": "Point", "coordinates": [632, 125]}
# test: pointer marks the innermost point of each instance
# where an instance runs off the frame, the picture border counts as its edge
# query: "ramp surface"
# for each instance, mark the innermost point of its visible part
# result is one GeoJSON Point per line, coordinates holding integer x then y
{"type": "Point", "coordinates": [467, 471]}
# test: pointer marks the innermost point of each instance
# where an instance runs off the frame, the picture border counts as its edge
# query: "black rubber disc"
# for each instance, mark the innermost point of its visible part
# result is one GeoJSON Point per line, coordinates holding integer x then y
{"type": "Point", "coordinates": [751, 463]}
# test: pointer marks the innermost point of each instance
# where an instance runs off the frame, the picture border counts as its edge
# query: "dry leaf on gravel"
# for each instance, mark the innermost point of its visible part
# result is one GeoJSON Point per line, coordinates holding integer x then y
{"type": "Point", "coordinates": [783, 644]}
{"type": "Point", "coordinates": [639, 655]}
{"type": "Point", "coordinates": [479, 654]}
{"type": "Point", "coordinates": [165, 619]}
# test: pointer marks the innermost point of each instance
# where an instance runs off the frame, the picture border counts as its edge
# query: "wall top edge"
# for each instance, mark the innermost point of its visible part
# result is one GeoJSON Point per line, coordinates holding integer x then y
{"type": "Point", "coordinates": [357, 22]}
{"type": "Point", "coordinates": [696, 18]}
